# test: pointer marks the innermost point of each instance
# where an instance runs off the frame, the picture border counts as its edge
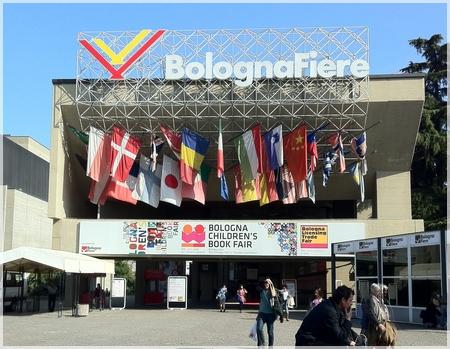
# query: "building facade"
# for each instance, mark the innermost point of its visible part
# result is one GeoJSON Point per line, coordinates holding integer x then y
{"type": "Point", "coordinates": [182, 81]}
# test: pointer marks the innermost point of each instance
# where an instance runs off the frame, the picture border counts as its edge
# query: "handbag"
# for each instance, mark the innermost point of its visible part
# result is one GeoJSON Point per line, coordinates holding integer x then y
{"type": "Point", "coordinates": [276, 306]}
{"type": "Point", "coordinates": [253, 334]}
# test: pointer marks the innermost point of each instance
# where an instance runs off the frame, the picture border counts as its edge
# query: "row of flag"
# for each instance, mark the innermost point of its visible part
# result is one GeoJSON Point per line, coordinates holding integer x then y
{"type": "Point", "coordinates": [271, 167]}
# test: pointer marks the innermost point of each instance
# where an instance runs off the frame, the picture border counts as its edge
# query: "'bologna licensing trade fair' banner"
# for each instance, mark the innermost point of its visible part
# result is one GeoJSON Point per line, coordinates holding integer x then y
{"type": "Point", "coordinates": [229, 238]}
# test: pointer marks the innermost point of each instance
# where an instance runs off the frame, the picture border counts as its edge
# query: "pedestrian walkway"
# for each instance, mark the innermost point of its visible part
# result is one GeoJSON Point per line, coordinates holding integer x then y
{"type": "Point", "coordinates": [145, 327]}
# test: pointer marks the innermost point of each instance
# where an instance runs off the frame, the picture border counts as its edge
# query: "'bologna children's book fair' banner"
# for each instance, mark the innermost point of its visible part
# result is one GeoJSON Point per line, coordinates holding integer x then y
{"type": "Point", "coordinates": [249, 238]}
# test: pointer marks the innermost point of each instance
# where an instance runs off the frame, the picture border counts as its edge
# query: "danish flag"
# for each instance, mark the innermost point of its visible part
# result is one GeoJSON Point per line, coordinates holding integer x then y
{"type": "Point", "coordinates": [124, 149]}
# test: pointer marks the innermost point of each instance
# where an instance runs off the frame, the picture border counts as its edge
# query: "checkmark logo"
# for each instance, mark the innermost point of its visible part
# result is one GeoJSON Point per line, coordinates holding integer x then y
{"type": "Point", "coordinates": [119, 58]}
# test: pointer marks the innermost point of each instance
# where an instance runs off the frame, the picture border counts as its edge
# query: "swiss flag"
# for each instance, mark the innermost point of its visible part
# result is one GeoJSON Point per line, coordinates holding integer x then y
{"type": "Point", "coordinates": [124, 149]}
{"type": "Point", "coordinates": [170, 181]}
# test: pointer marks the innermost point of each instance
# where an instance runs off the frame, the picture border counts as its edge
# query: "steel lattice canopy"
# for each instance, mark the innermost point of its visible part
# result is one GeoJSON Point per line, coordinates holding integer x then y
{"type": "Point", "coordinates": [144, 99]}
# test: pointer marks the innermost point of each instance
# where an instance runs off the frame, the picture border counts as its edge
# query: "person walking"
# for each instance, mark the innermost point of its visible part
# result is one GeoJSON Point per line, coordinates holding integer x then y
{"type": "Point", "coordinates": [241, 292]}
{"type": "Point", "coordinates": [52, 290]}
{"type": "Point", "coordinates": [329, 323]}
{"type": "Point", "coordinates": [318, 298]}
{"type": "Point", "coordinates": [97, 296]}
{"type": "Point", "coordinates": [380, 332]}
{"type": "Point", "coordinates": [432, 314]}
{"type": "Point", "coordinates": [222, 297]}
{"type": "Point", "coordinates": [268, 294]}
{"type": "Point", "coordinates": [285, 294]}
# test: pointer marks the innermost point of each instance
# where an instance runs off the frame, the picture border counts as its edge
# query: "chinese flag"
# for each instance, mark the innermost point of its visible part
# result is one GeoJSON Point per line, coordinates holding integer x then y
{"type": "Point", "coordinates": [295, 153]}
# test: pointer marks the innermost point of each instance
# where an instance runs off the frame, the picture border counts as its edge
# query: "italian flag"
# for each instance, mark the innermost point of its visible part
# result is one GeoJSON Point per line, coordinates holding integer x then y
{"type": "Point", "coordinates": [248, 147]}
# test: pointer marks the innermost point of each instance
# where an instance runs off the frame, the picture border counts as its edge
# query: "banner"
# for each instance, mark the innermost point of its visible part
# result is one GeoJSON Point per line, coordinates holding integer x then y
{"type": "Point", "coordinates": [314, 236]}
{"type": "Point", "coordinates": [208, 238]}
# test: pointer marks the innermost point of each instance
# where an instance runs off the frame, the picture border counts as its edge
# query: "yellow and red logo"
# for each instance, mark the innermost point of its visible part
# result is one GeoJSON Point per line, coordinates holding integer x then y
{"type": "Point", "coordinates": [193, 237]}
{"type": "Point", "coordinates": [118, 59]}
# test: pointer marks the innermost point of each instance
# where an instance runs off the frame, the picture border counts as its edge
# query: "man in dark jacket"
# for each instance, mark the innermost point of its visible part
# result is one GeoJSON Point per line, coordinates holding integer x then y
{"type": "Point", "coordinates": [328, 324]}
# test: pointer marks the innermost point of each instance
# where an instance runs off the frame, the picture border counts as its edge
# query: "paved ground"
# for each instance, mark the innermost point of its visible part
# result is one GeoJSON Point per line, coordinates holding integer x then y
{"type": "Point", "coordinates": [163, 327]}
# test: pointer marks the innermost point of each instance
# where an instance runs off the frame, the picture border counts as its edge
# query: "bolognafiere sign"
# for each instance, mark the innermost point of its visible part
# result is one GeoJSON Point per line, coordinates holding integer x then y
{"type": "Point", "coordinates": [118, 237]}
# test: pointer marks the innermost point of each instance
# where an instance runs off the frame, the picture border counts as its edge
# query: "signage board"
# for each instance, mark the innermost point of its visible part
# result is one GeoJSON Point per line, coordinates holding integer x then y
{"type": "Point", "coordinates": [421, 239]}
{"type": "Point", "coordinates": [344, 247]}
{"type": "Point", "coordinates": [206, 238]}
{"type": "Point", "coordinates": [366, 245]}
{"type": "Point", "coordinates": [118, 297]}
{"type": "Point", "coordinates": [177, 292]}
{"type": "Point", "coordinates": [395, 242]}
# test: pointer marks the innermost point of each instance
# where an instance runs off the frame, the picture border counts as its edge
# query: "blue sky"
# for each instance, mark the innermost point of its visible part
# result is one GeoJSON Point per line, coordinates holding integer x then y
{"type": "Point", "coordinates": [39, 40]}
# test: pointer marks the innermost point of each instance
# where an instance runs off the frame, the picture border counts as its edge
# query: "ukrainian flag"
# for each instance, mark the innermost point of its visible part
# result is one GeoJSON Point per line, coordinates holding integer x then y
{"type": "Point", "coordinates": [193, 151]}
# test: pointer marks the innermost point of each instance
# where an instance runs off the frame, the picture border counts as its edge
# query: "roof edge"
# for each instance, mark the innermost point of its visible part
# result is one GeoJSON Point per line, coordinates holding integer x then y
{"type": "Point", "coordinates": [374, 77]}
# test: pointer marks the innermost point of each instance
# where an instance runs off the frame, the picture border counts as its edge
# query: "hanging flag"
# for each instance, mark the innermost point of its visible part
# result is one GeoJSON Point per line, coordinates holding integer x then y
{"type": "Point", "coordinates": [193, 151]}
{"type": "Point", "coordinates": [268, 188]}
{"type": "Point", "coordinates": [288, 186]}
{"type": "Point", "coordinates": [170, 182]}
{"type": "Point", "coordinates": [155, 149]}
{"type": "Point", "coordinates": [122, 190]}
{"type": "Point", "coordinates": [296, 153]}
{"type": "Point", "coordinates": [97, 189]}
{"type": "Point", "coordinates": [311, 187]}
{"type": "Point", "coordinates": [273, 142]}
{"type": "Point", "coordinates": [173, 140]}
{"type": "Point", "coordinates": [148, 185]}
{"type": "Point", "coordinates": [359, 146]}
{"type": "Point", "coordinates": [224, 188]}
{"type": "Point", "coordinates": [327, 167]}
{"type": "Point", "coordinates": [197, 191]}
{"type": "Point", "coordinates": [279, 183]}
{"type": "Point", "coordinates": [245, 191]}
{"type": "Point", "coordinates": [301, 189]}
{"type": "Point", "coordinates": [335, 140]}
{"type": "Point", "coordinates": [124, 150]}
{"type": "Point", "coordinates": [99, 154]}
{"type": "Point", "coordinates": [355, 170]}
{"type": "Point", "coordinates": [221, 166]}
{"type": "Point", "coordinates": [248, 147]}
{"type": "Point", "coordinates": [82, 136]}
{"type": "Point", "coordinates": [220, 160]}
{"type": "Point", "coordinates": [312, 150]}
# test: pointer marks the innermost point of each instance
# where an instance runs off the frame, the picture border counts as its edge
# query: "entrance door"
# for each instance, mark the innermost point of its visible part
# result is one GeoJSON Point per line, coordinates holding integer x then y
{"type": "Point", "coordinates": [207, 281]}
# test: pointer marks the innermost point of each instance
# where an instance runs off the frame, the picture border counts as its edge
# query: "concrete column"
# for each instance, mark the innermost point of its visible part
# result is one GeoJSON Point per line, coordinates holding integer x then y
{"type": "Point", "coordinates": [393, 195]}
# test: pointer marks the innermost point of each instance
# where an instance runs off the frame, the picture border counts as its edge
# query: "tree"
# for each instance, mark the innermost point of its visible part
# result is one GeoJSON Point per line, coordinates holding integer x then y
{"type": "Point", "coordinates": [123, 270]}
{"type": "Point", "coordinates": [429, 168]}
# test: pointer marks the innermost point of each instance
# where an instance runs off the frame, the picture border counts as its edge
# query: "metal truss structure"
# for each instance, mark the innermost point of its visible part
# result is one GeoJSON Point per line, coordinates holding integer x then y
{"type": "Point", "coordinates": [144, 99]}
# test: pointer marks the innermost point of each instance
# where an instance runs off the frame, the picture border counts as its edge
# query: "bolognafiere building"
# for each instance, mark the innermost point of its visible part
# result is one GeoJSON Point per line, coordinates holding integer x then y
{"type": "Point", "coordinates": [230, 80]}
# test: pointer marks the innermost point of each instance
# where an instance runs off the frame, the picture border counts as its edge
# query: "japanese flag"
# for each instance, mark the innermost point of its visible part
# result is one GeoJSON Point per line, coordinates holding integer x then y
{"type": "Point", "coordinates": [170, 181]}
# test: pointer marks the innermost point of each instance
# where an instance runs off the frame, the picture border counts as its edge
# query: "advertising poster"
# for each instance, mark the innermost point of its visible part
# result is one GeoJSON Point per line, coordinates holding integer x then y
{"type": "Point", "coordinates": [314, 236]}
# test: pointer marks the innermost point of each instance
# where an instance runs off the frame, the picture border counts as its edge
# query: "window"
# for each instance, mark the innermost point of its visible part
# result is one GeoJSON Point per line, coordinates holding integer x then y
{"type": "Point", "coordinates": [422, 291]}
{"type": "Point", "coordinates": [395, 262]}
{"type": "Point", "coordinates": [425, 261]}
{"type": "Point", "coordinates": [366, 263]}
{"type": "Point", "coordinates": [397, 291]}
{"type": "Point", "coordinates": [363, 288]}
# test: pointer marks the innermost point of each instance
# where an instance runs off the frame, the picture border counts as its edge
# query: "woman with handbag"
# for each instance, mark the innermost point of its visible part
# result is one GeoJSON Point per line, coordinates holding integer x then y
{"type": "Point", "coordinates": [268, 297]}
{"type": "Point", "coordinates": [381, 332]}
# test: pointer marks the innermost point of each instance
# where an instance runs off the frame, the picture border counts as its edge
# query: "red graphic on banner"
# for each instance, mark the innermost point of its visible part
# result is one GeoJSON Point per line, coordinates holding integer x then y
{"type": "Point", "coordinates": [189, 235]}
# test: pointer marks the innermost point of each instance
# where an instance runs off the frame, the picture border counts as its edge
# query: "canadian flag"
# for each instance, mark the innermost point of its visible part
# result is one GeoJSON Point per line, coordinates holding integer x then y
{"type": "Point", "coordinates": [170, 181]}
{"type": "Point", "coordinates": [124, 150]}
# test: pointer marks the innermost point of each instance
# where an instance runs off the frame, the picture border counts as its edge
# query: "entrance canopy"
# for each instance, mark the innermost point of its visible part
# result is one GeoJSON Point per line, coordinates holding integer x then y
{"type": "Point", "coordinates": [31, 260]}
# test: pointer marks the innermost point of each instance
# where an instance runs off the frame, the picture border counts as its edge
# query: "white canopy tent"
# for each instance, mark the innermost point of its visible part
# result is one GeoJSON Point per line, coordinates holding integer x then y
{"type": "Point", "coordinates": [32, 260]}
{"type": "Point", "coordinates": [39, 260]}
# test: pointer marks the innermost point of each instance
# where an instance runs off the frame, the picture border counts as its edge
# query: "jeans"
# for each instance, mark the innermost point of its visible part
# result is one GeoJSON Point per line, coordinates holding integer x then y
{"type": "Point", "coordinates": [269, 319]}
{"type": "Point", "coordinates": [286, 308]}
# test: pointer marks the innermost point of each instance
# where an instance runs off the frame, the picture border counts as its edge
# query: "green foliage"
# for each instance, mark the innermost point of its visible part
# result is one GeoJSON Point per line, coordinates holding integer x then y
{"type": "Point", "coordinates": [429, 167]}
{"type": "Point", "coordinates": [123, 270]}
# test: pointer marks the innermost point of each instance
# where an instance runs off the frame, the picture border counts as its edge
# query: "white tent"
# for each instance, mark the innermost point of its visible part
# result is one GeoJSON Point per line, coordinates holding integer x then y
{"type": "Point", "coordinates": [31, 260]}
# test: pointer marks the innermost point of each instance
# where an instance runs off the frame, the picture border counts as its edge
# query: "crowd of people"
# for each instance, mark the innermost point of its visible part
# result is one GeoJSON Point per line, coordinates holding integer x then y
{"type": "Point", "coordinates": [328, 321]}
